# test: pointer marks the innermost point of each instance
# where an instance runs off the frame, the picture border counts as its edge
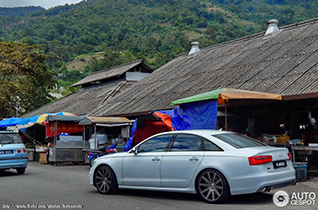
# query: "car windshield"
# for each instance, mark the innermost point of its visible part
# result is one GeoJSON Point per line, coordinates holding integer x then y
{"type": "Point", "coordinates": [10, 138]}
{"type": "Point", "coordinates": [239, 141]}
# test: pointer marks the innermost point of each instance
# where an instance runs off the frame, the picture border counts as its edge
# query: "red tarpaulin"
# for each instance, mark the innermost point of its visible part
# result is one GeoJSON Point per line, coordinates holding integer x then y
{"type": "Point", "coordinates": [150, 128]}
{"type": "Point", "coordinates": [62, 128]}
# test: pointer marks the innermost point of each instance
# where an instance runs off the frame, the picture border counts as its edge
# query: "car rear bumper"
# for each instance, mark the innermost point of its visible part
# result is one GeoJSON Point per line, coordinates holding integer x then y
{"type": "Point", "coordinates": [253, 183]}
{"type": "Point", "coordinates": [14, 163]}
{"type": "Point", "coordinates": [277, 185]}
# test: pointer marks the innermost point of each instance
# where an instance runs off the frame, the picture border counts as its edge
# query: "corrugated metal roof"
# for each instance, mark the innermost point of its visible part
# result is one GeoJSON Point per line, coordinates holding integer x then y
{"type": "Point", "coordinates": [111, 73]}
{"type": "Point", "coordinates": [283, 64]}
{"type": "Point", "coordinates": [90, 97]}
{"type": "Point", "coordinates": [82, 101]}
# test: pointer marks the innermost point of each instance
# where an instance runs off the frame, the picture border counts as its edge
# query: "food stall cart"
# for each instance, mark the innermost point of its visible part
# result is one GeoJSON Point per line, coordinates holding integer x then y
{"type": "Point", "coordinates": [65, 147]}
{"type": "Point", "coordinates": [108, 130]}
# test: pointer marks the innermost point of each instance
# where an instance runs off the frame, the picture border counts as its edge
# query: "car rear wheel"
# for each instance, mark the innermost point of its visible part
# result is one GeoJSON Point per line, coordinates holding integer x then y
{"type": "Point", "coordinates": [212, 186]}
{"type": "Point", "coordinates": [20, 170]}
{"type": "Point", "coordinates": [105, 180]}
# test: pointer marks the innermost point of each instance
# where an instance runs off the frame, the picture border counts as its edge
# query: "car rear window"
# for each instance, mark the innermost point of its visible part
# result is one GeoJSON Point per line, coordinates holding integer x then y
{"type": "Point", "coordinates": [10, 138]}
{"type": "Point", "coordinates": [239, 141]}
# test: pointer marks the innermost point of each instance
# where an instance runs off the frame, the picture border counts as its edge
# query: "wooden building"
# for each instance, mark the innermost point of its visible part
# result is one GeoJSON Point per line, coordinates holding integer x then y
{"type": "Point", "coordinates": [280, 60]}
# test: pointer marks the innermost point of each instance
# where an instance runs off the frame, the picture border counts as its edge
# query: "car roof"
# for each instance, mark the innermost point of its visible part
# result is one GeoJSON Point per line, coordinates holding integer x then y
{"type": "Point", "coordinates": [201, 132]}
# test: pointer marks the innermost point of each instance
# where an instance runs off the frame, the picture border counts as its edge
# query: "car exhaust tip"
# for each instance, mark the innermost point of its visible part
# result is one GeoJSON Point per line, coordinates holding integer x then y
{"type": "Point", "coordinates": [266, 189]}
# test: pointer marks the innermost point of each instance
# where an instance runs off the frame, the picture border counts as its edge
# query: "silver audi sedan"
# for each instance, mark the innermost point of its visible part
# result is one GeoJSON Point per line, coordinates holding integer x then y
{"type": "Point", "coordinates": [214, 164]}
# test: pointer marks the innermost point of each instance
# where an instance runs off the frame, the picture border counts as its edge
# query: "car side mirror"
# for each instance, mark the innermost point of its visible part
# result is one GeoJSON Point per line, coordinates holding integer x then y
{"type": "Point", "coordinates": [135, 150]}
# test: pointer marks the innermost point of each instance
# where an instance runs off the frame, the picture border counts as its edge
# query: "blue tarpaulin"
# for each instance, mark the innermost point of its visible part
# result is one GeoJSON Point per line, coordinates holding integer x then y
{"type": "Point", "coordinates": [10, 121]}
{"type": "Point", "coordinates": [194, 115]}
{"type": "Point", "coordinates": [130, 140]}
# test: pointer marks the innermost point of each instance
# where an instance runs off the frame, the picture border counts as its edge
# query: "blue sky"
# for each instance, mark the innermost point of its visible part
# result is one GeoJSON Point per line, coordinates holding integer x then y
{"type": "Point", "coordinates": [43, 3]}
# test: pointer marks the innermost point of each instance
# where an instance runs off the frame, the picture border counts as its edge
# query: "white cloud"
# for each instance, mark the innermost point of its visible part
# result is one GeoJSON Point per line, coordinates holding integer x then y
{"type": "Point", "coordinates": [43, 3]}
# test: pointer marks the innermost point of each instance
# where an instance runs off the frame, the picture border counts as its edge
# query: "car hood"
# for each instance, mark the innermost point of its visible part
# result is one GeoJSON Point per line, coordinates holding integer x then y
{"type": "Point", "coordinates": [114, 155]}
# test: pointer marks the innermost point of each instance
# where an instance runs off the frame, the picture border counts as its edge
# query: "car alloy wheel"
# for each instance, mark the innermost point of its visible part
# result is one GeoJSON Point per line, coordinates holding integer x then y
{"type": "Point", "coordinates": [105, 180]}
{"type": "Point", "coordinates": [212, 186]}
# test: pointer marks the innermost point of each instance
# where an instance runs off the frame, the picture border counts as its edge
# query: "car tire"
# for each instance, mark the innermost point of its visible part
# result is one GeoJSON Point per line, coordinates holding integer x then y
{"type": "Point", "coordinates": [20, 170]}
{"type": "Point", "coordinates": [212, 186]}
{"type": "Point", "coordinates": [105, 180]}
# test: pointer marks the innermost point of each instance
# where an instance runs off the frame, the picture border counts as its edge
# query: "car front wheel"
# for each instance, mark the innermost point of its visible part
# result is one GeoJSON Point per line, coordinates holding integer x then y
{"type": "Point", "coordinates": [212, 186]}
{"type": "Point", "coordinates": [105, 180]}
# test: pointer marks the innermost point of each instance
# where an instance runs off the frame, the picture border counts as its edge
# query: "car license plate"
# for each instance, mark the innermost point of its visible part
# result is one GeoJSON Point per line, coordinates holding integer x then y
{"type": "Point", "coordinates": [280, 164]}
{"type": "Point", "coordinates": [6, 152]}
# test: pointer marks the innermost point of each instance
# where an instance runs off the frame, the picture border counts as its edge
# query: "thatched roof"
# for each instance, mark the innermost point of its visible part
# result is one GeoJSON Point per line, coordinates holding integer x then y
{"type": "Point", "coordinates": [285, 63]}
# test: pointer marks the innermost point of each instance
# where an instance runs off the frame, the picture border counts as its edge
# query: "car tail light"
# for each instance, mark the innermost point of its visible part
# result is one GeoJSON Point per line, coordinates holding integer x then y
{"type": "Point", "coordinates": [21, 150]}
{"type": "Point", "coordinates": [89, 154]}
{"type": "Point", "coordinates": [289, 156]}
{"type": "Point", "coordinates": [258, 160]}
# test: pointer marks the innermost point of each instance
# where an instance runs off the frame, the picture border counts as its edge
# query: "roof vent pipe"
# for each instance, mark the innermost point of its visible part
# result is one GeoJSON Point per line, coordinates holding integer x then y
{"type": "Point", "coordinates": [194, 48]}
{"type": "Point", "coordinates": [272, 28]}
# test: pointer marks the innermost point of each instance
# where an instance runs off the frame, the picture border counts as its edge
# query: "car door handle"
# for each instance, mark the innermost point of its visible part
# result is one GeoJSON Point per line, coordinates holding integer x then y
{"type": "Point", "coordinates": [155, 159]}
{"type": "Point", "coordinates": [194, 159]}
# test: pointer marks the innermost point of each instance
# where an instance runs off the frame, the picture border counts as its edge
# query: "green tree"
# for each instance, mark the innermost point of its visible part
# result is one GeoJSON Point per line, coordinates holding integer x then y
{"type": "Point", "coordinates": [24, 78]}
{"type": "Point", "coordinates": [157, 30]}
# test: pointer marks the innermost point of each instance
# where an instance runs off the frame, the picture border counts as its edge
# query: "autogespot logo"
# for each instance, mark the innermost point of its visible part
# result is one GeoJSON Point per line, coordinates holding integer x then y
{"type": "Point", "coordinates": [281, 198]}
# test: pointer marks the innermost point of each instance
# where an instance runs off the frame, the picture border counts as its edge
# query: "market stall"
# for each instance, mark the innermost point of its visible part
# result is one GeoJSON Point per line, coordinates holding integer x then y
{"type": "Point", "coordinates": [108, 130]}
{"type": "Point", "coordinates": [67, 138]}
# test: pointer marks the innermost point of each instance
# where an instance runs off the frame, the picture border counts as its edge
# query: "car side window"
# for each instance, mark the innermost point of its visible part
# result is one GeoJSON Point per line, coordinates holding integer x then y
{"type": "Point", "coordinates": [155, 144]}
{"type": "Point", "coordinates": [186, 142]}
{"type": "Point", "coordinates": [209, 146]}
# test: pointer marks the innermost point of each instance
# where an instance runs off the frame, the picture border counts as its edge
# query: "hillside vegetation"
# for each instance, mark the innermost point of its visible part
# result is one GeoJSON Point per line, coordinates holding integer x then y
{"type": "Point", "coordinates": [118, 31]}
{"type": "Point", "coordinates": [19, 11]}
